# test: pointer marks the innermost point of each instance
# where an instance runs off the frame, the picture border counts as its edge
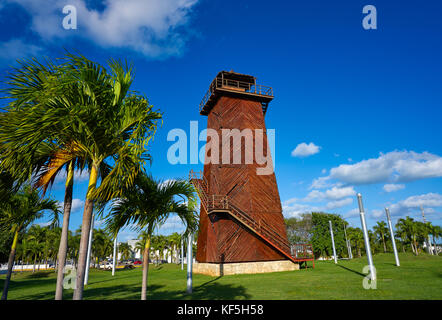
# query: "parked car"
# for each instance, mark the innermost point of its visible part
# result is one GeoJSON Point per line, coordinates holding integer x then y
{"type": "Point", "coordinates": [137, 262]}
{"type": "Point", "coordinates": [106, 265]}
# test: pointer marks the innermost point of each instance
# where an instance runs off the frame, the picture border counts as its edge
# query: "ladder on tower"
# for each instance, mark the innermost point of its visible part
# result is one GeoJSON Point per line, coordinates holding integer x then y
{"type": "Point", "coordinates": [299, 253]}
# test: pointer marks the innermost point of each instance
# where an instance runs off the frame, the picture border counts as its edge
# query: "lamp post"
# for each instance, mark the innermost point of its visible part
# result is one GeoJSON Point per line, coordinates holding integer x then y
{"type": "Point", "coordinates": [429, 249]}
{"type": "Point", "coordinates": [350, 255]}
{"type": "Point", "coordinates": [387, 211]}
{"type": "Point", "coordinates": [366, 238]}
{"type": "Point", "coordinates": [114, 258]}
{"type": "Point", "coordinates": [182, 252]}
{"type": "Point", "coordinates": [189, 263]}
{"type": "Point", "coordinates": [89, 249]}
{"type": "Point", "coordinates": [333, 242]}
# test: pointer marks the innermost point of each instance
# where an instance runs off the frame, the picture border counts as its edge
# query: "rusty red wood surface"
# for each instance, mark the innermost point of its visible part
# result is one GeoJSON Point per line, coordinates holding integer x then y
{"type": "Point", "coordinates": [221, 237]}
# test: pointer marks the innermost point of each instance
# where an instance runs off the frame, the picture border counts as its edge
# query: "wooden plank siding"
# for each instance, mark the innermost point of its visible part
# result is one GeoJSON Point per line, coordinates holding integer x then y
{"type": "Point", "coordinates": [221, 237]}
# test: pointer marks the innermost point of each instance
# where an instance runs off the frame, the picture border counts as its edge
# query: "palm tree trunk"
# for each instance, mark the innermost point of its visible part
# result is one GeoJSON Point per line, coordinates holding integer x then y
{"type": "Point", "coordinates": [62, 249]}
{"type": "Point", "coordinates": [385, 247]}
{"type": "Point", "coordinates": [10, 265]}
{"type": "Point", "coordinates": [145, 269]}
{"type": "Point", "coordinates": [85, 230]}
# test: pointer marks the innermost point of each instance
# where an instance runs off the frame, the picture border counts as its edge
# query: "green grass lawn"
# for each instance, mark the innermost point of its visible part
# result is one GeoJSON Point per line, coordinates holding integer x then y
{"type": "Point", "coordinates": [417, 278]}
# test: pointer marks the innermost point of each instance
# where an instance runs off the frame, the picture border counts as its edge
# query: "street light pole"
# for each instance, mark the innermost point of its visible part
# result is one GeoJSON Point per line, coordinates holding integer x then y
{"type": "Point", "coordinates": [393, 241]}
{"type": "Point", "coordinates": [350, 255]}
{"type": "Point", "coordinates": [189, 263]}
{"type": "Point", "coordinates": [114, 256]}
{"type": "Point", "coordinates": [89, 249]}
{"type": "Point", "coordinates": [430, 251]}
{"type": "Point", "coordinates": [333, 242]}
{"type": "Point", "coordinates": [366, 238]}
{"type": "Point", "coordinates": [182, 252]}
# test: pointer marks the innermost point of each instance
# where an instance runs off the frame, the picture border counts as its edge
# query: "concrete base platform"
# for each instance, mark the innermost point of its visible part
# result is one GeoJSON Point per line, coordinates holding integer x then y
{"type": "Point", "coordinates": [221, 269]}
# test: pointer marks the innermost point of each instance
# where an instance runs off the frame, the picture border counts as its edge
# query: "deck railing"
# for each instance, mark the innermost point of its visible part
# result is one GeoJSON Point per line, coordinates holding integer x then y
{"type": "Point", "coordinates": [240, 86]}
{"type": "Point", "coordinates": [211, 203]}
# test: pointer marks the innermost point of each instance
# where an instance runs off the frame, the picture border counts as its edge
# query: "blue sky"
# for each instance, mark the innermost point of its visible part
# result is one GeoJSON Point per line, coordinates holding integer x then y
{"type": "Point", "coordinates": [355, 110]}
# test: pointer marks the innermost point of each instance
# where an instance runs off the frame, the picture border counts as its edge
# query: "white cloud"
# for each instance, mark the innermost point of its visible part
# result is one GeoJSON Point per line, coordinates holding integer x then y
{"type": "Point", "coordinates": [314, 195]}
{"type": "Point", "coordinates": [149, 27]}
{"type": "Point", "coordinates": [43, 224]}
{"type": "Point", "coordinates": [296, 209]}
{"type": "Point", "coordinates": [79, 176]}
{"type": "Point", "coordinates": [290, 201]}
{"type": "Point", "coordinates": [393, 187]}
{"type": "Point", "coordinates": [395, 166]}
{"type": "Point", "coordinates": [305, 150]}
{"type": "Point", "coordinates": [376, 213]}
{"type": "Point", "coordinates": [126, 234]}
{"type": "Point", "coordinates": [77, 204]}
{"type": "Point", "coordinates": [16, 49]}
{"type": "Point", "coordinates": [100, 223]}
{"type": "Point", "coordinates": [338, 203]}
{"type": "Point", "coordinates": [335, 193]}
{"type": "Point", "coordinates": [352, 213]}
{"type": "Point", "coordinates": [321, 183]}
{"type": "Point", "coordinates": [429, 201]}
{"type": "Point", "coordinates": [171, 225]}
{"type": "Point", "coordinates": [339, 193]}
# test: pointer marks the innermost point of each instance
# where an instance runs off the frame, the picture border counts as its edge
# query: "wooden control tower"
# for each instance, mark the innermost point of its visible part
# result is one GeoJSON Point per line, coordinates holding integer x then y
{"type": "Point", "coordinates": [241, 215]}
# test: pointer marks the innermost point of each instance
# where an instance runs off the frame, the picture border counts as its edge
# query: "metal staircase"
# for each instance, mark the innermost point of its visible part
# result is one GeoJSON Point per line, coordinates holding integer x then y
{"type": "Point", "coordinates": [298, 253]}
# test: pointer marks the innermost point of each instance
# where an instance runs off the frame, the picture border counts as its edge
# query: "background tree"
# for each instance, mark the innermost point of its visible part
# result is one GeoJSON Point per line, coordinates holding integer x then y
{"type": "Point", "coordinates": [321, 238]}
{"type": "Point", "coordinates": [356, 237]}
{"type": "Point", "coordinates": [381, 231]}
{"type": "Point", "coordinates": [299, 229]}
{"type": "Point", "coordinates": [102, 245]}
{"type": "Point", "coordinates": [175, 242]}
{"type": "Point", "coordinates": [125, 250]}
{"type": "Point", "coordinates": [148, 203]}
{"type": "Point", "coordinates": [408, 228]}
{"type": "Point", "coordinates": [16, 214]}
{"type": "Point", "coordinates": [84, 113]}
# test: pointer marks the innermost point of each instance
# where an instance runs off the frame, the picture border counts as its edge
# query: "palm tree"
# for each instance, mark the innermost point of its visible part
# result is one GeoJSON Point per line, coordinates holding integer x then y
{"type": "Point", "coordinates": [175, 242]}
{"type": "Point", "coordinates": [408, 227]}
{"type": "Point", "coordinates": [437, 233]}
{"type": "Point", "coordinates": [102, 245]}
{"type": "Point", "coordinates": [91, 117]}
{"type": "Point", "coordinates": [357, 239]}
{"type": "Point", "coordinates": [74, 246]}
{"type": "Point", "coordinates": [159, 244]}
{"type": "Point", "coordinates": [143, 237]}
{"type": "Point", "coordinates": [147, 204]}
{"type": "Point", "coordinates": [115, 127]}
{"type": "Point", "coordinates": [23, 208]}
{"type": "Point", "coordinates": [35, 249]}
{"type": "Point", "coordinates": [125, 250]}
{"type": "Point", "coordinates": [381, 230]}
{"type": "Point", "coordinates": [28, 146]}
{"type": "Point", "coordinates": [37, 235]}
